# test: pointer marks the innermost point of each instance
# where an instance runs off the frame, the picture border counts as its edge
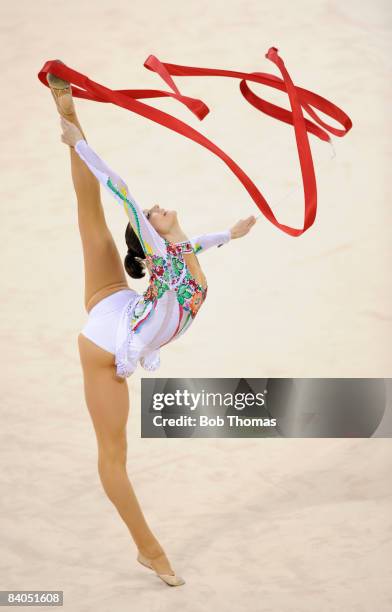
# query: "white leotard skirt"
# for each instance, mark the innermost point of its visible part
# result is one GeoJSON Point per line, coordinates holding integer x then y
{"type": "Point", "coordinates": [105, 317]}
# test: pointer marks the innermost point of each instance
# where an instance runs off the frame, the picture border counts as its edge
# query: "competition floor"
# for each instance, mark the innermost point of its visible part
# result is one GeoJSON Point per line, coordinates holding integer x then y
{"type": "Point", "coordinates": [277, 525]}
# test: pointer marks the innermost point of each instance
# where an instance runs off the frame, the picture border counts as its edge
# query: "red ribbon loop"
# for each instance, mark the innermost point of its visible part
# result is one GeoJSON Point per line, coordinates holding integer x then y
{"type": "Point", "coordinates": [299, 98]}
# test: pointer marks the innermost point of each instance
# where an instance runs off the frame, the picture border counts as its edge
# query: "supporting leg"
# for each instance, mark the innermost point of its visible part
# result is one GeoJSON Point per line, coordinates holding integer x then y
{"type": "Point", "coordinates": [107, 400]}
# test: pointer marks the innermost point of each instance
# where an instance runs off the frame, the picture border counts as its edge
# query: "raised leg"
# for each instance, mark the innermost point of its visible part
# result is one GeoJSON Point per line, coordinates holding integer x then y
{"type": "Point", "coordinates": [107, 400]}
{"type": "Point", "coordinates": [103, 266]}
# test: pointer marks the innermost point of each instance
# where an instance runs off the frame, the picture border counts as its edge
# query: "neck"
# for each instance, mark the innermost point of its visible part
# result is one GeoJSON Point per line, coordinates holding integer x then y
{"type": "Point", "coordinates": [176, 235]}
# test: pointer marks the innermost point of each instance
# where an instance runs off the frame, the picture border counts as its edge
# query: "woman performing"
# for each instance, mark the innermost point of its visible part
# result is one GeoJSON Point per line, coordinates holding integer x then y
{"type": "Point", "coordinates": [123, 326]}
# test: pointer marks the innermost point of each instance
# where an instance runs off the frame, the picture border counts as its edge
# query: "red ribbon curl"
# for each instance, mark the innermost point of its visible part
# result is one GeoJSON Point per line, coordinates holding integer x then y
{"type": "Point", "coordinates": [299, 98]}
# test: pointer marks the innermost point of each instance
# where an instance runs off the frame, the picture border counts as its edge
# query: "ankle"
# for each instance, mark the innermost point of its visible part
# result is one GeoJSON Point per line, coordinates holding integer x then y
{"type": "Point", "coordinates": [152, 552]}
{"type": "Point", "coordinates": [72, 118]}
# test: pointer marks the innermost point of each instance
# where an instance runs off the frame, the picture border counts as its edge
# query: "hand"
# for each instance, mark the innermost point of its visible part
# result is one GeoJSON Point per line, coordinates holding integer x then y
{"type": "Point", "coordinates": [71, 133]}
{"type": "Point", "coordinates": [242, 227]}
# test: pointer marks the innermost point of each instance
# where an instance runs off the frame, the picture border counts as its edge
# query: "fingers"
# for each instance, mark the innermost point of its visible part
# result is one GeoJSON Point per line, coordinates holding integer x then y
{"type": "Point", "coordinates": [71, 132]}
{"type": "Point", "coordinates": [65, 124]}
{"type": "Point", "coordinates": [250, 218]}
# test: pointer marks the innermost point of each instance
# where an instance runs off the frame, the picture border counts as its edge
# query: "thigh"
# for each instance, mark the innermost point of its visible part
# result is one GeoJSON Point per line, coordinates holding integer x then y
{"type": "Point", "coordinates": [106, 395]}
{"type": "Point", "coordinates": [103, 266]}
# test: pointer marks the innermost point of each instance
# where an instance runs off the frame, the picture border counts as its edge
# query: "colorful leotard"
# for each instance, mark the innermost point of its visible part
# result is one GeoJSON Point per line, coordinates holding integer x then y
{"type": "Point", "coordinates": [169, 305]}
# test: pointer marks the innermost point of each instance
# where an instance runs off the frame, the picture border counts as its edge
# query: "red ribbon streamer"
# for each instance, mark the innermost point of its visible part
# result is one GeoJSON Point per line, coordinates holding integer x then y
{"type": "Point", "coordinates": [300, 98]}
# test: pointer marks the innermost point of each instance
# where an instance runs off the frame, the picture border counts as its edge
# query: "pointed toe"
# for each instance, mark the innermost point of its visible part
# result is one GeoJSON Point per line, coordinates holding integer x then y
{"type": "Point", "coordinates": [169, 579]}
{"type": "Point", "coordinates": [62, 94]}
{"type": "Point", "coordinates": [55, 81]}
{"type": "Point", "coordinates": [172, 580]}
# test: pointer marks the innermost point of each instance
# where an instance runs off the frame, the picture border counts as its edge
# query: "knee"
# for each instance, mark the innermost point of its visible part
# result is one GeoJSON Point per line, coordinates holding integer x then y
{"type": "Point", "coordinates": [112, 454]}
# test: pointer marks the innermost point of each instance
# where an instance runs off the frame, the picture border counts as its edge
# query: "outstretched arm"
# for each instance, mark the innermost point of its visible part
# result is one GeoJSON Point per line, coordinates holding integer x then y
{"type": "Point", "coordinates": [205, 241]}
{"type": "Point", "coordinates": [150, 240]}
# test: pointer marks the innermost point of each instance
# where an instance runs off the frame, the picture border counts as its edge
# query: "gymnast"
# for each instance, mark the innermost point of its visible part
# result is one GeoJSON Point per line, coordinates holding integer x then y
{"type": "Point", "coordinates": [124, 327]}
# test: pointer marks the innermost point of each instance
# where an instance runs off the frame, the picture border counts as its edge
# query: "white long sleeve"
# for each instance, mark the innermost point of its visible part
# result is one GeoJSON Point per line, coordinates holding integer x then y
{"type": "Point", "coordinates": [151, 241]}
{"type": "Point", "coordinates": [203, 242]}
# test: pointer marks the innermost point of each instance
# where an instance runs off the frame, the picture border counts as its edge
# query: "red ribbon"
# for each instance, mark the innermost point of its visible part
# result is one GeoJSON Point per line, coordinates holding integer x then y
{"type": "Point", "coordinates": [300, 98]}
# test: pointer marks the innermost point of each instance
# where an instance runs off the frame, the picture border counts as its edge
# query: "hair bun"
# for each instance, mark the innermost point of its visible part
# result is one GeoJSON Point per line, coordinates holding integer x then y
{"type": "Point", "coordinates": [134, 265]}
{"type": "Point", "coordinates": [134, 260]}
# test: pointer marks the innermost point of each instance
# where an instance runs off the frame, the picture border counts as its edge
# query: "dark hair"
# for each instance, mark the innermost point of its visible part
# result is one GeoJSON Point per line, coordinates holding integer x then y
{"type": "Point", "coordinates": [133, 261]}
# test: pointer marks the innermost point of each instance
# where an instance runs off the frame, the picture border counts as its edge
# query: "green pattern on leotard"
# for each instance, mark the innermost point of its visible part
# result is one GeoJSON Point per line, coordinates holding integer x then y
{"type": "Point", "coordinates": [130, 204]}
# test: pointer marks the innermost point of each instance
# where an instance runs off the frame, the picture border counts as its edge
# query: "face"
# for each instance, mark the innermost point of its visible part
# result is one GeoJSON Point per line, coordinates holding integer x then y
{"type": "Point", "coordinates": [162, 219]}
